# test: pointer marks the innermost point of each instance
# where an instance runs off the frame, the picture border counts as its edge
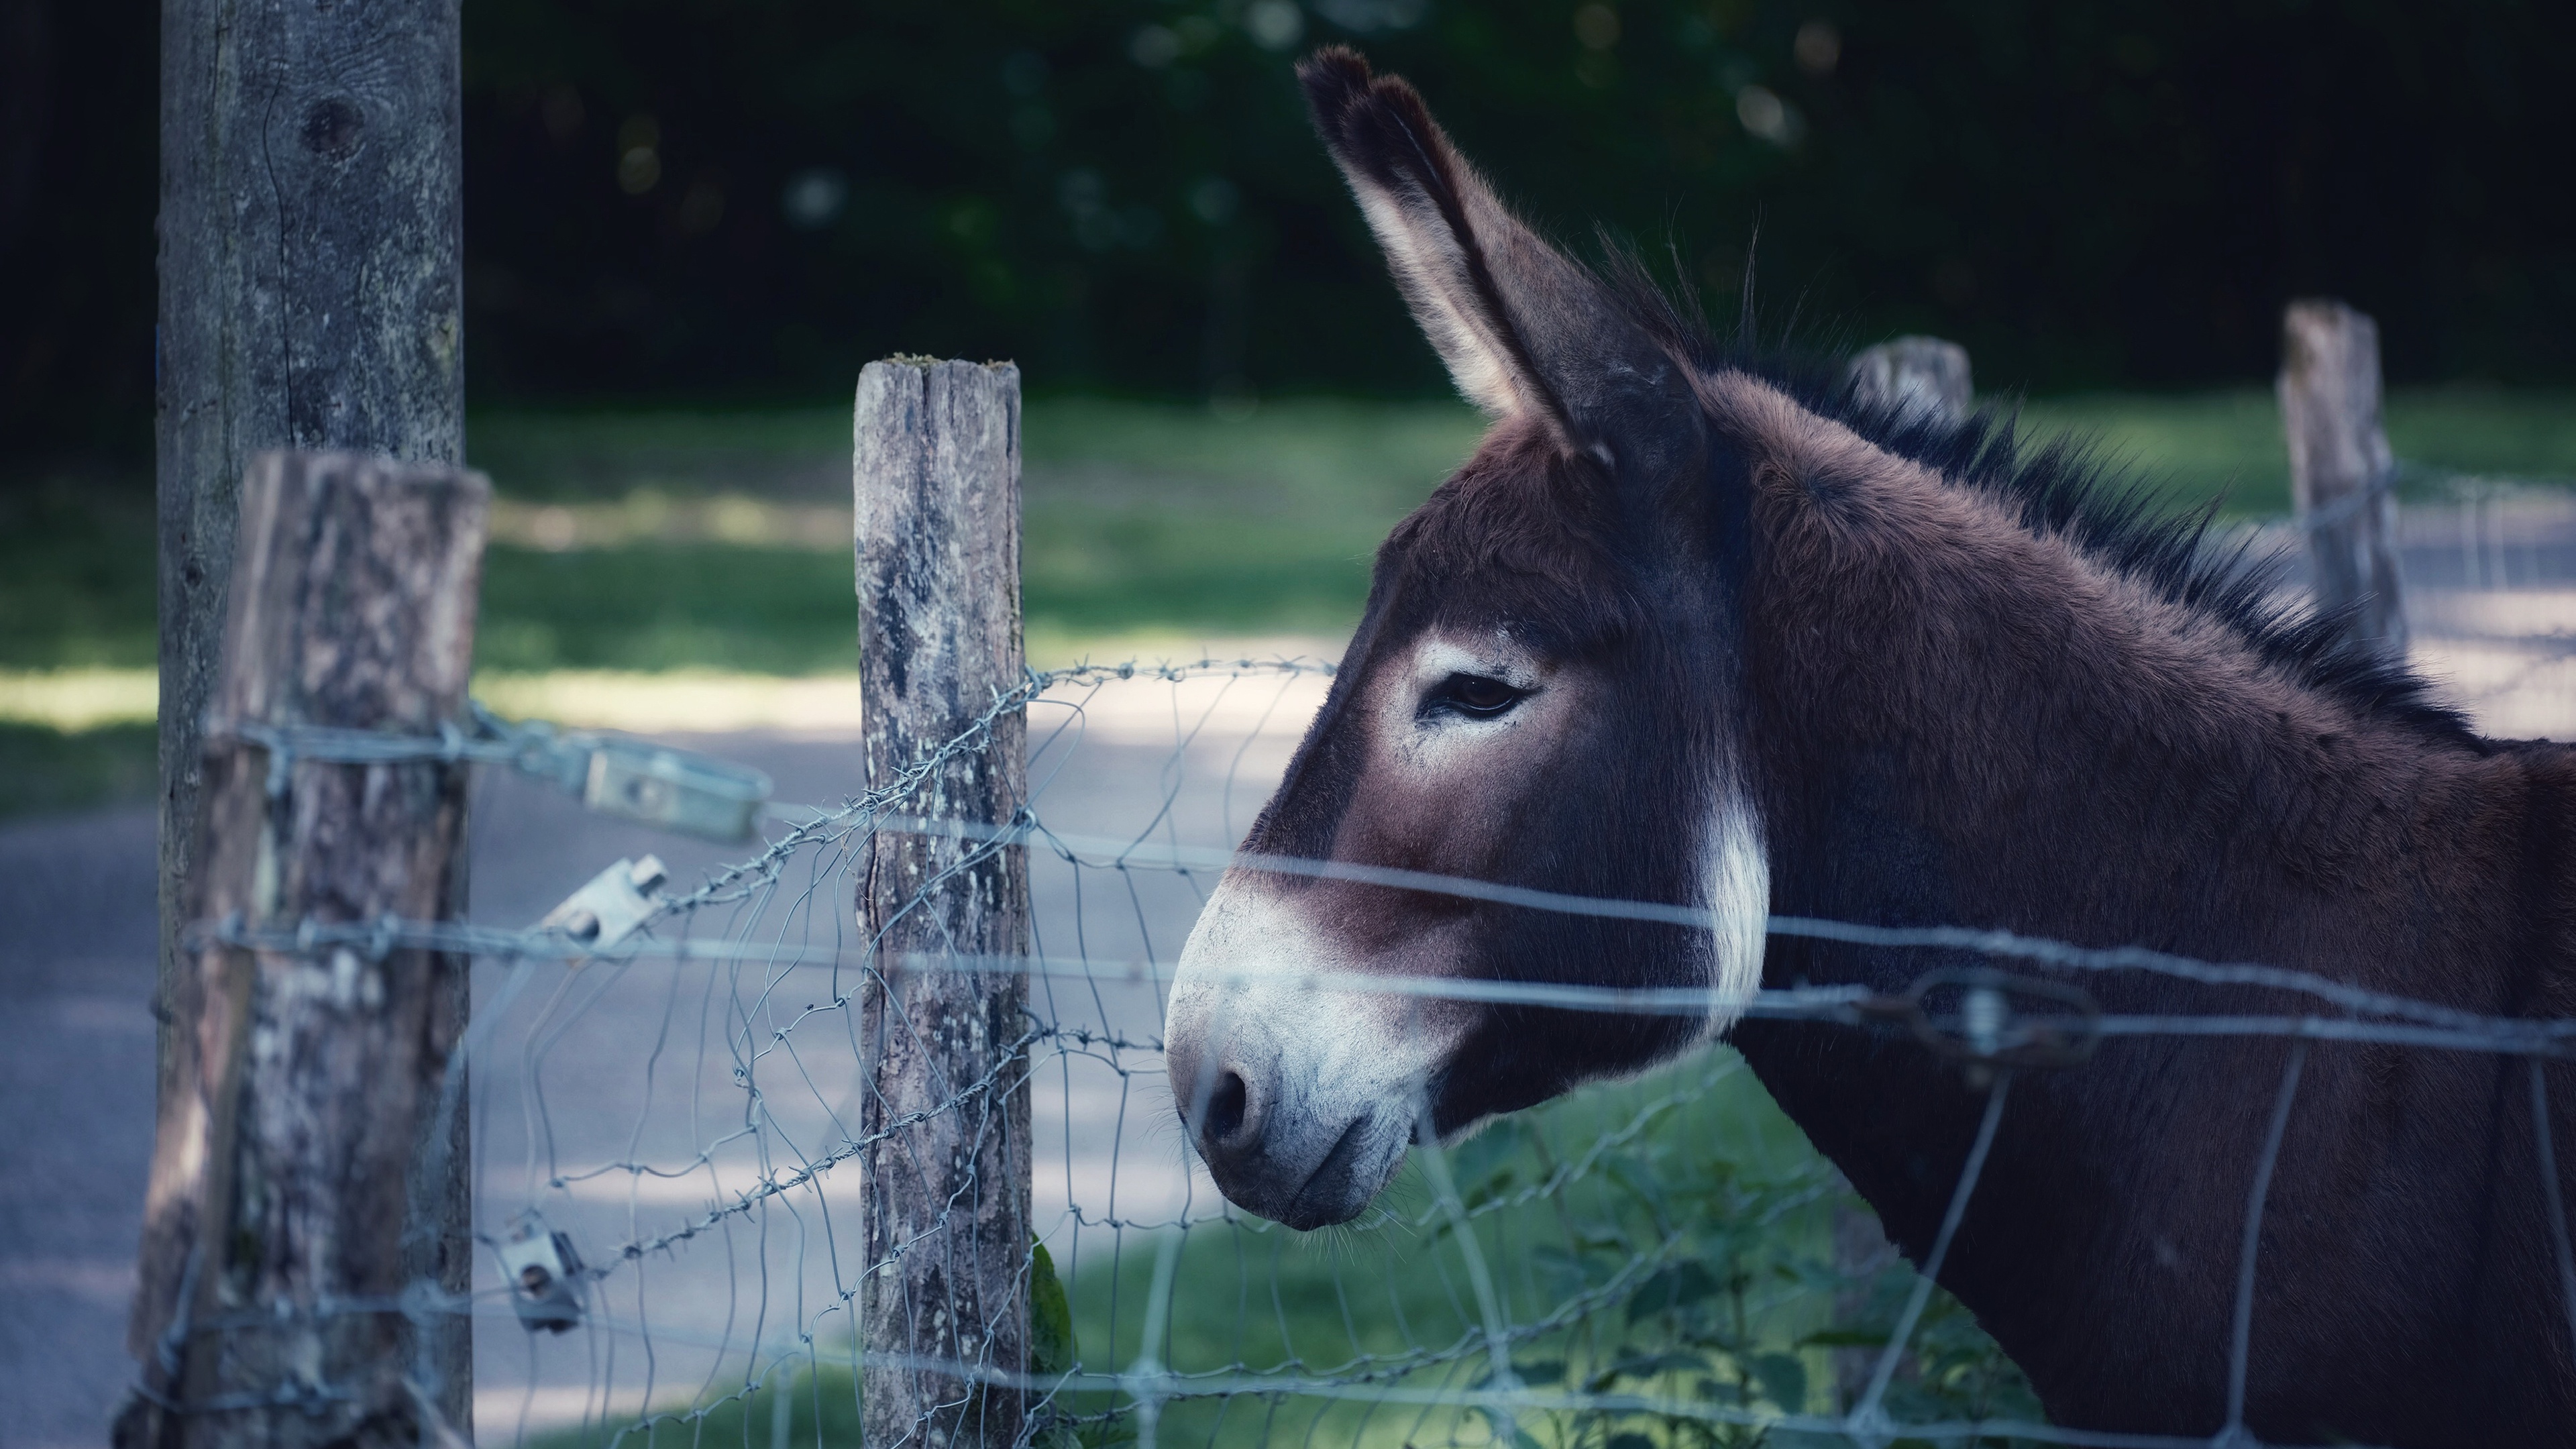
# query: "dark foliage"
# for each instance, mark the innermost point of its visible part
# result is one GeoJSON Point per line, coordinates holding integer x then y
{"type": "Point", "coordinates": [77, 188]}
{"type": "Point", "coordinates": [679, 196]}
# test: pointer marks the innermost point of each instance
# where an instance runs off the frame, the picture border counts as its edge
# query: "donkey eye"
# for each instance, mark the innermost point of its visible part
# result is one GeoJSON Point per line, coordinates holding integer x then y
{"type": "Point", "coordinates": [1476, 694]}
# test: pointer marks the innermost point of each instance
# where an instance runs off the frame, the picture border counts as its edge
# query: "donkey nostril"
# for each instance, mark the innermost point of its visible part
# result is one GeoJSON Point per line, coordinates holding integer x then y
{"type": "Point", "coordinates": [1225, 1108]}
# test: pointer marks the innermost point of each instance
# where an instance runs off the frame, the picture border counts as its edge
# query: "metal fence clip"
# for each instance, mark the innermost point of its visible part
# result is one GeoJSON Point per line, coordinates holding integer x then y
{"type": "Point", "coordinates": [621, 775]}
{"type": "Point", "coordinates": [545, 1276]}
{"type": "Point", "coordinates": [676, 789]}
{"type": "Point", "coordinates": [609, 908]}
{"type": "Point", "coordinates": [1999, 1019]}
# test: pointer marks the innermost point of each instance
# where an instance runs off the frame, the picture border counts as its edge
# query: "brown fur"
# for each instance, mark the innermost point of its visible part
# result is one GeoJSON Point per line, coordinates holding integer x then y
{"type": "Point", "coordinates": [1958, 689]}
{"type": "Point", "coordinates": [2051, 747]}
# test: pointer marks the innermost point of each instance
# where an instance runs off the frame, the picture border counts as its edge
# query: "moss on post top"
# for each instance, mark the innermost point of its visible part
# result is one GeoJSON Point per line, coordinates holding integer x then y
{"type": "Point", "coordinates": [923, 361]}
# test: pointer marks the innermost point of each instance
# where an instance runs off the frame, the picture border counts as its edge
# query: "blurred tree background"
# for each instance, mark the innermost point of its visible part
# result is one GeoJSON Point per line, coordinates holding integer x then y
{"type": "Point", "coordinates": [690, 222]}
{"type": "Point", "coordinates": [747, 199]}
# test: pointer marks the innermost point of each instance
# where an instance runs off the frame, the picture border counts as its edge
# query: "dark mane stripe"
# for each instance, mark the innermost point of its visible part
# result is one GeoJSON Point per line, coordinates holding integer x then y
{"type": "Point", "coordinates": [2063, 487]}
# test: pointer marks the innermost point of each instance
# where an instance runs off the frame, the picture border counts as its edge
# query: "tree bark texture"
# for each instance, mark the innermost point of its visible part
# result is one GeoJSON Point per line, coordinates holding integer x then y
{"type": "Point", "coordinates": [310, 297]}
{"type": "Point", "coordinates": [309, 278]}
{"type": "Point", "coordinates": [2342, 473]}
{"type": "Point", "coordinates": [1916, 373]}
{"type": "Point", "coordinates": [945, 1198]}
{"type": "Point", "coordinates": [287, 1217]}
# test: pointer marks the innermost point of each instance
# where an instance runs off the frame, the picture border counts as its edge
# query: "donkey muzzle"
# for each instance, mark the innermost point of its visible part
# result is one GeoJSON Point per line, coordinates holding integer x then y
{"type": "Point", "coordinates": [1299, 1092]}
{"type": "Point", "coordinates": [1279, 1151]}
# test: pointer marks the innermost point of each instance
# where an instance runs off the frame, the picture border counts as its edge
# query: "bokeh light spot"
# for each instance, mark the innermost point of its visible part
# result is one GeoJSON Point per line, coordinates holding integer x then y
{"type": "Point", "coordinates": [1596, 26]}
{"type": "Point", "coordinates": [1273, 24]}
{"type": "Point", "coordinates": [814, 197]}
{"type": "Point", "coordinates": [639, 170]}
{"type": "Point", "coordinates": [1819, 47]}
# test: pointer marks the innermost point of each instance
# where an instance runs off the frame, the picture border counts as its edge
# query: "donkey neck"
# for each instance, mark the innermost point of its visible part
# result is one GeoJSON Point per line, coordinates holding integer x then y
{"type": "Point", "coordinates": [1960, 719]}
{"type": "Point", "coordinates": [1956, 719]}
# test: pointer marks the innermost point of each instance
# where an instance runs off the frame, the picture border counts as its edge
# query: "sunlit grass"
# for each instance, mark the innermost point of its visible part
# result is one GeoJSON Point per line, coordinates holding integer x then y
{"type": "Point", "coordinates": [642, 540]}
{"type": "Point", "coordinates": [2193, 447]}
{"type": "Point", "coordinates": [1667, 1238]}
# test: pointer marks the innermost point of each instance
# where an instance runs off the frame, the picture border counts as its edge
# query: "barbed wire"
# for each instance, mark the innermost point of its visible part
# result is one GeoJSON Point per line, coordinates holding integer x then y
{"type": "Point", "coordinates": [1523, 1285]}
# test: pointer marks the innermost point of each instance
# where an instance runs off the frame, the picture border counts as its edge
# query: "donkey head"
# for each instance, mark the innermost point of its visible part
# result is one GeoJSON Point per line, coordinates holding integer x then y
{"type": "Point", "coordinates": [1544, 693]}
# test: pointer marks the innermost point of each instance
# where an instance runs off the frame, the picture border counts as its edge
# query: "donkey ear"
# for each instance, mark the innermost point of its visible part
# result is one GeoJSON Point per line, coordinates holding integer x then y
{"type": "Point", "coordinates": [1525, 332]}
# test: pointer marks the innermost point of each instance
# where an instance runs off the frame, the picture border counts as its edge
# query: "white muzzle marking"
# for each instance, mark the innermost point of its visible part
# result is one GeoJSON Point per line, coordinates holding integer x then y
{"type": "Point", "coordinates": [1335, 1076]}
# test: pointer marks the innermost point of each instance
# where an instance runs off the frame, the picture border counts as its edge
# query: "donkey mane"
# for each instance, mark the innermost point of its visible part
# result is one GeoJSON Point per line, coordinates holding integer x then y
{"type": "Point", "coordinates": [2064, 487]}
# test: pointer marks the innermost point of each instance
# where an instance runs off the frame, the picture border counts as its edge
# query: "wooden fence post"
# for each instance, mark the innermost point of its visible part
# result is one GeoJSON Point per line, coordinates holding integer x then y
{"type": "Point", "coordinates": [310, 297]}
{"type": "Point", "coordinates": [2342, 474]}
{"type": "Point", "coordinates": [1916, 372]}
{"type": "Point", "coordinates": [277, 1253]}
{"type": "Point", "coordinates": [944, 1198]}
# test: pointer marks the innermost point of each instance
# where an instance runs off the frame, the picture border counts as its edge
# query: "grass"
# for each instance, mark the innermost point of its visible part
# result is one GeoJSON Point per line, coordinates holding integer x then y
{"type": "Point", "coordinates": [1137, 518]}
{"type": "Point", "coordinates": [76, 591]}
{"type": "Point", "coordinates": [728, 535]}
{"type": "Point", "coordinates": [48, 771]}
{"type": "Point", "coordinates": [1144, 518]}
{"type": "Point", "coordinates": [2227, 445]}
{"type": "Point", "coordinates": [76, 574]}
{"type": "Point", "coordinates": [1667, 1238]}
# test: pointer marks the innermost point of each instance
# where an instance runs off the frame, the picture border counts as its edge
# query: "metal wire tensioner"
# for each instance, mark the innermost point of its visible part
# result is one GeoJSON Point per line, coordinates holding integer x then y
{"type": "Point", "coordinates": [611, 773]}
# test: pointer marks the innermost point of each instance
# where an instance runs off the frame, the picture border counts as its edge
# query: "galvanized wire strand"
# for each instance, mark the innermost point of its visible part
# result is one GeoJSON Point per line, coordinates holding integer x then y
{"type": "Point", "coordinates": [1866, 1415]}
{"type": "Point", "coordinates": [2457, 1030]}
{"type": "Point", "coordinates": [2240, 1336]}
{"type": "Point", "coordinates": [2553, 1200]}
{"type": "Point", "coordinates": [762, 962]}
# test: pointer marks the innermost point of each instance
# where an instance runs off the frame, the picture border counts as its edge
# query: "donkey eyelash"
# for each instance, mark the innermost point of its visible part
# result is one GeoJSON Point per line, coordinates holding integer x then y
{"type": "Point", "coordinates": [1477, 696]}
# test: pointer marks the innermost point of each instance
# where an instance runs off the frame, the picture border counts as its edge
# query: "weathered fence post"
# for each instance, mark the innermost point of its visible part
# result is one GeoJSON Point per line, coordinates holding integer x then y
{"type": "Point", "coordinates": [310, 294]}
{"type": "Point", "coordinates": [1928, 376]}
{"type": "Point", "coordinates": [2342, 474]}
{"type": "Point", "coordinates": [277, 1302]}
{"type": "Point", "coordinates": [1916, 372]}
{"type": "Point", "coordinates": [945, 1194]}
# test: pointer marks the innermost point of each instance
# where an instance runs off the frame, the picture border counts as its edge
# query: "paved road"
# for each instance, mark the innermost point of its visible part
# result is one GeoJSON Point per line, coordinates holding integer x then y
{"type": "Point", "coordinates": [76, 944]}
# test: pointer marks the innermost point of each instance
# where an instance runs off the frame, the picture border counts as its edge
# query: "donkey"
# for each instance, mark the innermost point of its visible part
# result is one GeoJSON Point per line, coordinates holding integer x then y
{"type": "Point", "coordinates": [1697, 629]}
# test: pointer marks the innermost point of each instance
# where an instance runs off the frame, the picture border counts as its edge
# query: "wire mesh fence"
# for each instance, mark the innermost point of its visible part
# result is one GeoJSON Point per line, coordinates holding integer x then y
{"type": "Point", "coordinates": [2492, 570]}
{"type": "Point", "coordinates": [670, 1118]}
{"type": "Point", "coordinates": [1644, 1263]}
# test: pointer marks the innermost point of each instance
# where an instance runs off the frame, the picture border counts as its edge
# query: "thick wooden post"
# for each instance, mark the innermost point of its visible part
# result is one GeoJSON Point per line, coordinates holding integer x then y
{"type": "Point", "coordinates": [310, 297]}
{"type": "Point", "coordinates": [310, 293]}
{"type": "Point", "coordinates": [275, 1246]}
{"type": "Point", "coordinates": [945, 1198]}
{"type": "Point", "coordinates": [2341, 471]}
{"type": "Point", "coordinates": [1916, 373]}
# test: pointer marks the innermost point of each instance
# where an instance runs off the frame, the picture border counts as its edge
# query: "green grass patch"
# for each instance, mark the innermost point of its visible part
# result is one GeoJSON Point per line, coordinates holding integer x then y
{"type": "Point", "coordinates": [1140, 518]}
{"type": "Point", "coordinates": [663, 606]}
{"type": "Point", "coordinates": [1667, 1239]}
{"type": "Point", "coordinates": [1321, 447]}
{"type": "Point", "coordinates": [1143, 518]}
{"type": "Point", "coordinates": [46, 771]}
{"type": "Point", "coordinates": [2193, 447]}
{"type": "Point", "coordinates": [76, 575]}
{"type": "Point", "coordinates": [578, 454]}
